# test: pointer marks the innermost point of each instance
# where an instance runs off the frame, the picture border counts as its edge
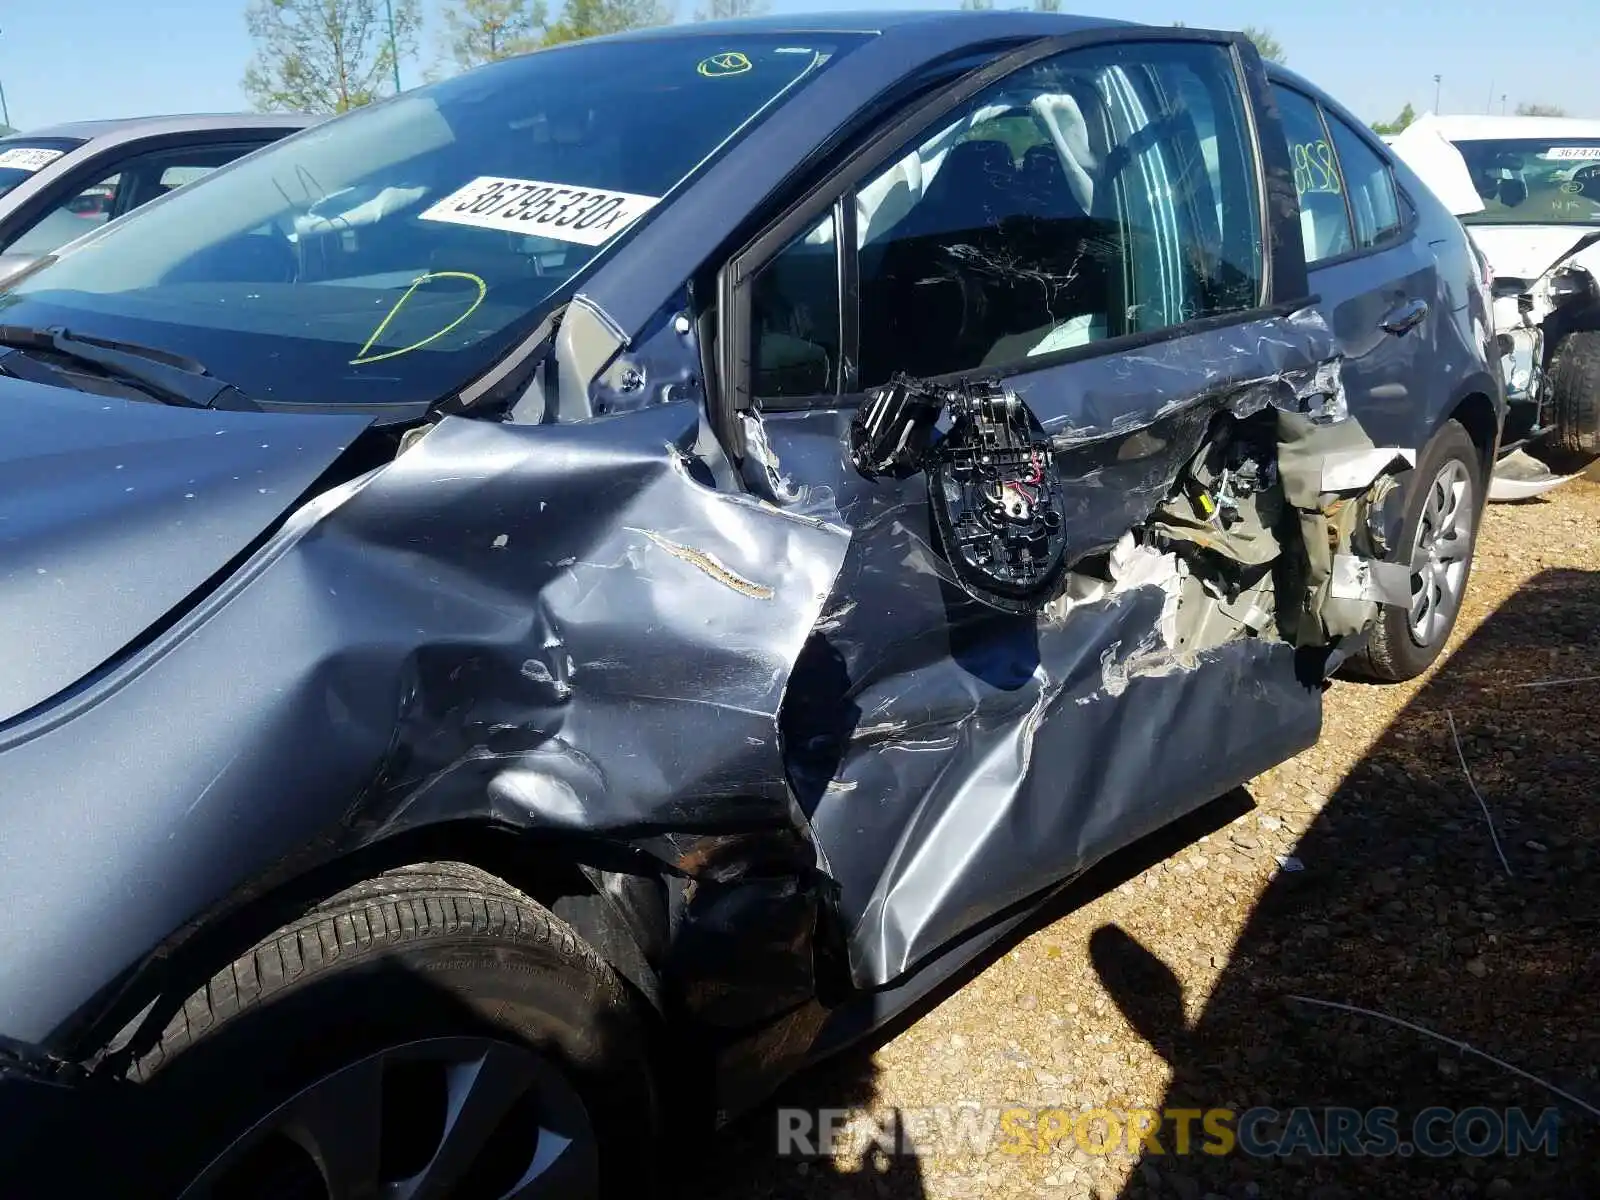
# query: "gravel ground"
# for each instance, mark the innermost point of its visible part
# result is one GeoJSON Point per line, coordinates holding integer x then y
{"type": "Point", "coordinates": [1164, 980]}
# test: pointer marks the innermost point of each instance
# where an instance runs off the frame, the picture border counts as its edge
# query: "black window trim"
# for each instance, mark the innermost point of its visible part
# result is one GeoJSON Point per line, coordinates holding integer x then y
{"type": "Point", "coordinates": [1397, 236]}
{"type": "Point", "coordinates": [1281, 273]}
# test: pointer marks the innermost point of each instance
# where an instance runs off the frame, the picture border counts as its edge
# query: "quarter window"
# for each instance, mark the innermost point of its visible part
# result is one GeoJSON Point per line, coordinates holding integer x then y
{"type": "Point", "coordinates": [1099, 193]}
{"type": "Point", "coordinates": [1324, 219]}
{"type": "Point", "coordinates": [1367, 179]}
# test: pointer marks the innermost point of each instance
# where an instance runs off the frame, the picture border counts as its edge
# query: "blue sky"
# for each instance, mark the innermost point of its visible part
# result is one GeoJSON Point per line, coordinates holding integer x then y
{"type": "Point", "coordinates": [108, 58]}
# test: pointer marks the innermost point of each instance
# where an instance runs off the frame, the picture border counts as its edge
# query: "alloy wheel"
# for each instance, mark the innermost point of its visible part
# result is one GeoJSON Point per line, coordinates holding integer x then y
{"type": "Point", "coordinates": [1441, 553]}
{"type": "Point", "coordinates": [463, 1118]}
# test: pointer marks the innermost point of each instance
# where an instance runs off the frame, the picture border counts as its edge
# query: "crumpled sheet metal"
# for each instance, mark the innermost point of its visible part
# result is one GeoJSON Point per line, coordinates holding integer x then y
{"type": "Point", "coordinates": [550, 627]}
{"type": "Point", "coordinates": [1127, 441]}
{"type": "Point", "coordinates": [953, 759]}
{"type": "Point", "coordinates": [1019, 772]}
{"type": "Point", "coordinates": [643, 607]}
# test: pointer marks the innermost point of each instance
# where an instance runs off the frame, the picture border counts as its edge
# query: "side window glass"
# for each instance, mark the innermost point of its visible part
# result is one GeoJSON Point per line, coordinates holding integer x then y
{"type": "Point", "coordinates": [1324, 220]}
{"type": "Point", "coordinates": [1371, 186]}
{"type": "Point", "coordinates": [1098, 193]}
{"type": "Point", "coordinates": [71, 218]}
{"type": "Point", "coordinates": [794, 318]}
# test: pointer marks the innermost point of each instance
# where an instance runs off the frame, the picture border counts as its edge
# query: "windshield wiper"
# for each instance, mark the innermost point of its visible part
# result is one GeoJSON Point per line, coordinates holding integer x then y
{"type": "Point", "coordinates": [170, 378]}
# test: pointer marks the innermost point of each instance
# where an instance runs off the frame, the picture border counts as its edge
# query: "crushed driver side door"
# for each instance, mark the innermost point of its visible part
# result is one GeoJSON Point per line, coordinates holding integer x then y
{"type": "Point", "coordinates": [1044, 347]}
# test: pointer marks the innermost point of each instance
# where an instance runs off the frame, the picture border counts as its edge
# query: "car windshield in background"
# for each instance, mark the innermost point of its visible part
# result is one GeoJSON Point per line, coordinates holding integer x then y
{"type": "Point", "coordinates": [391, 255]}
{"type": "Point", "coordinates": [22, 158]}
{"type": "Point", "coordinates": [1535, 182]}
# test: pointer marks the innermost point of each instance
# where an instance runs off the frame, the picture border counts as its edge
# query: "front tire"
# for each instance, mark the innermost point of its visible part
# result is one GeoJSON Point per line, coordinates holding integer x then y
{"type": "Point", "coordinates": [430, 1032]}
{"type": "Point", "coordinates": [1438, 537]}
{"type": "Point", "coordinates": [1574, 382]}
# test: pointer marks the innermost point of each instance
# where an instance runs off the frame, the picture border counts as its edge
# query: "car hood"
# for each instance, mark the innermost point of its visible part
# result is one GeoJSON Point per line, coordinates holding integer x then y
{"type": "Point", "coordinates": [113, 512]}
{"type": "Point", "coordinates": [1527, 251]}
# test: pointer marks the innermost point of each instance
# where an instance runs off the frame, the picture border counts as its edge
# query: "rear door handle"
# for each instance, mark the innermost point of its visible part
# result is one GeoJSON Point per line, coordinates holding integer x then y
{"type": "Point", "coordinates": [1402, 320]}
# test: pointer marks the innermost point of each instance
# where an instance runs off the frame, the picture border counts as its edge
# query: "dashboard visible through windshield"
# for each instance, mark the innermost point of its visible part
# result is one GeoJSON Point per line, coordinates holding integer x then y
{"type": "Point", "coordinates": [1525, 181]}
{"type": "Point", "coordinates": [391, 255]}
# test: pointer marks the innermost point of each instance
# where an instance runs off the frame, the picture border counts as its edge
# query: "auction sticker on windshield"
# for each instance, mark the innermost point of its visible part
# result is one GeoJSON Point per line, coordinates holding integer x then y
{"type": "Point", "coordinates": [589, 216]}
{"type": "Point", "coordinates": [29, 158]}
{"type": "Point", "coordinates": [1571, 152]}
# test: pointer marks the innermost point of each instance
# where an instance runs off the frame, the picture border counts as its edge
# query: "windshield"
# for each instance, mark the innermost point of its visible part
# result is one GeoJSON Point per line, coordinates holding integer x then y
{"type": "Point", "coordinates": [20, 158]}
{"type": "Point", "coordinates": [391, 255]}
{"type": "Point", "coordinates": [1525, 181]}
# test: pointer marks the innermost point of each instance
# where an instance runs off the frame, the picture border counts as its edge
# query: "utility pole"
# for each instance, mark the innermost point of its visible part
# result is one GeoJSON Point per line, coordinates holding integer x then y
{"type": "Point", "coordinates": [394, 48]}
{"type": "Point", "coordinates": [1502, 104]}
{"type": "Point", "coordinates": [1489, 107]}
{"type": "Point", "coordinates": [1437, 79]}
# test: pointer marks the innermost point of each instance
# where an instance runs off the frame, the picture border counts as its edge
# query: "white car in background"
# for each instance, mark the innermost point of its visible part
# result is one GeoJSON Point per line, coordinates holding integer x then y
{"type": "Point", "coordinates": [1528, 190]}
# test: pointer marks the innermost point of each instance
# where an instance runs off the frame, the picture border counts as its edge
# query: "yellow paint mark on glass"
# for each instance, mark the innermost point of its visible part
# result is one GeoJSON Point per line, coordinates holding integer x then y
{"type": "Point", "coordinates": [362, 357]}
{"type": "Point", "coordinates": [729, 62]}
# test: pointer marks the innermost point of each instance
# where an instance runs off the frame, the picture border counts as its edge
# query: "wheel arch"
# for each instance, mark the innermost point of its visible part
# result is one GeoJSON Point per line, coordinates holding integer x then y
{"type": "Point", "coordinates": [1476, 412]}
{"type": "Point", "coordinates": [573, 876]}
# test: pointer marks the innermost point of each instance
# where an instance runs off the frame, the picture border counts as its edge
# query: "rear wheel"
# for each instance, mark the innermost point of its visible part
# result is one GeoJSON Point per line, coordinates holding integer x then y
{"type": "Point", "coordinates": [1438, 537]}
{"type": "Point", "coordinates": [1574, 382]}
{"type": "Point", "coordinates": [428, 1033]}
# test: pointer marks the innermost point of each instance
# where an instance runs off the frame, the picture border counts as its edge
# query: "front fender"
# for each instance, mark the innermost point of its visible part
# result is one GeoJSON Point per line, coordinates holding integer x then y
{"type": "Point", "coordinates": [541, 627]}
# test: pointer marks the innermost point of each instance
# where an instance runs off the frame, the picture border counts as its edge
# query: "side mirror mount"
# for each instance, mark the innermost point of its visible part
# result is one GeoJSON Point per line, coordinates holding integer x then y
{"type": "Point", "coordinates": [992, 485]}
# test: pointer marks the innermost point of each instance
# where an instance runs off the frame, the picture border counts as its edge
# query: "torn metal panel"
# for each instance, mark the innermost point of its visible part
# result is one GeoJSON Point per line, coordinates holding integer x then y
{"type": "Point", "coordinates": [955, 756]}
{"type": "Point", "coordinates": [534, 626]}
{"type": "Point", "coordinates": [967, 794]}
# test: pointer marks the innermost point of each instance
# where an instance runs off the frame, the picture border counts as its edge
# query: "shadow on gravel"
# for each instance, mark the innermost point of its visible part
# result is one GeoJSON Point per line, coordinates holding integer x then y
{"type": "Point", "coordinates": [1404, 908]}
{"type": "Point", "coordinates": [745, 1162]}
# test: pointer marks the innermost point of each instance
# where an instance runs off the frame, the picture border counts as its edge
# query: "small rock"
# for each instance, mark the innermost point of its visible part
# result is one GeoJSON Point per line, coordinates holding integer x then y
{"type": "Point", "coordinates": [1536, 846]}
{"type": "Point", "coordinates": [1183, 1187]}
{"type": "Point", "coordinates": [1244, 840]}
{"type": "Point", "coordinates": [1270, 824]}
{"type": "Point", "coordinates": [1152, 1176]}
{"type": "Point", "coordinates": [1499, 1189]}
{"type": "Point", "coordinates": [1477, 968]}
{"type": "Point", "coordinates": [1449, 1068]}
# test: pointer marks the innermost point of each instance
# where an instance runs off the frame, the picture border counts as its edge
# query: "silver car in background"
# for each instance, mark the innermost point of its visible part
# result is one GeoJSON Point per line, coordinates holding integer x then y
{"type": "Point", "coordinates": [58, 183]}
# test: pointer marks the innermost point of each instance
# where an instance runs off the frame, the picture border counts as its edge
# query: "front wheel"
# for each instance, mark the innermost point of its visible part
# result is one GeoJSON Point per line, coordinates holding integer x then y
{"type": "Point", "coordinates": [429, 1033]}
{"type": "Point", "coordinates": [1438, 537]}
{"type": "Point", "coordinates": [1574, 382]}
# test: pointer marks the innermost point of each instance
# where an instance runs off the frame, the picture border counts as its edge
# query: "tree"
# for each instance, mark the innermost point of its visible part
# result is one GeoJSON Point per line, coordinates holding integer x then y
{"type": "Point", "coordinates": [593, 18]}
{"type": "Point", "coordinates": [977, 5]}
{"type": "Point", "coordinates": [1540, 110]}
{"type": "Point", "coordinates": [1266, 45]}
{"type": "Point", "coordinates": [727, 10]}
{"type": "Point", "coordinates": [1047, 5]}
{"type": "Point", "coordinates": [481, 31]}
{"type": "Point", "coordinates": [1407, 115]}
{"type": "Point", "coordinates": [325, 55]}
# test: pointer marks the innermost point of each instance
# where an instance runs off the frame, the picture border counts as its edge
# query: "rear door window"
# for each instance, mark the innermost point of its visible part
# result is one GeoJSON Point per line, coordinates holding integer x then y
{"type": "Point", "coordinates": [1324, 219]}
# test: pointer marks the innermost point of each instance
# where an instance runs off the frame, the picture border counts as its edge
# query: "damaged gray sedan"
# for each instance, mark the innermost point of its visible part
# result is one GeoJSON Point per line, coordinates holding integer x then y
{"type": "Point", "coordinates": [541, 607]}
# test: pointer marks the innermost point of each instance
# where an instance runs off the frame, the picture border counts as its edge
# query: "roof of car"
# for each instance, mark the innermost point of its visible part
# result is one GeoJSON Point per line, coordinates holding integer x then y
{"type": "Point", "coordinates": [1471, 128]}
{"type": "Point", "coordinates": [124, 128]}
{"type": "Point", "coordinates": [983, 24]}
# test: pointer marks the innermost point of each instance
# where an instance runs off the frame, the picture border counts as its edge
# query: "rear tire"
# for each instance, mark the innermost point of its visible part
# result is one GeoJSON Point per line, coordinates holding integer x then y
{"type": "Point", "coordinates": [424, 992]}
{"type": "Point", "coordinates": [1574, 382]}
{"type": "Point", "coordinates": [1395, 651]}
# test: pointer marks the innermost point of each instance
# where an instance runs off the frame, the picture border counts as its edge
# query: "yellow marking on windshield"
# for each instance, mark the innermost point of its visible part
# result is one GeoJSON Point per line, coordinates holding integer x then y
{"type": "Point", "coordinates": [730, 62]}
{"type": "Point", "coordinates": [362, 357]}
